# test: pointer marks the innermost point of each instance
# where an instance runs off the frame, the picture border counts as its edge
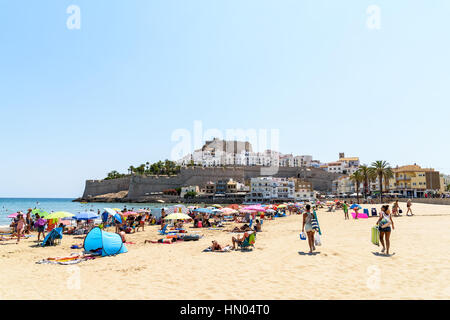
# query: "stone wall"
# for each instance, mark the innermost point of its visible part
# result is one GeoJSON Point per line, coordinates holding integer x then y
{"type": "Point", "coordinates": [141, 186]}
{"type": "Point", "coordinates": [98, 187]}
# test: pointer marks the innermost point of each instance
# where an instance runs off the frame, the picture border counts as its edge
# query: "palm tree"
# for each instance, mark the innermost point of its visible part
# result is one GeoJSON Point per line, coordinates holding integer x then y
{"type": "Point", "coordinates": [365, 172]}
{"type": "Point", "coordinates": [381, 169]}
{"type": "Point", "coordinates": [357, 178]}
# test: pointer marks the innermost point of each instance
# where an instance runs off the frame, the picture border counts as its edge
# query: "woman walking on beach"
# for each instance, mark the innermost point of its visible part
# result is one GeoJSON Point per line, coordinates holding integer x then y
{"type": "Point", "coordinates": [307, 226]}
{"type": "Point", "coordinates": [385, 222]}
{"type": "Point", "coordinates": [408, 206]}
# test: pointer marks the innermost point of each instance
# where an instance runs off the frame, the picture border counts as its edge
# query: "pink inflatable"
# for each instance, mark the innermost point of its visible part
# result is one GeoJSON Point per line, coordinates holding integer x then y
{"type": "Point", "coordinates": [360, 215]}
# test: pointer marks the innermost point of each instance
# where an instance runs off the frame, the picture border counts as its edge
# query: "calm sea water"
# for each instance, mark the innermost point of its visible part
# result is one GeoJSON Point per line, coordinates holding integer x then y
{"type": "Point", "coordinates": [12, 205]}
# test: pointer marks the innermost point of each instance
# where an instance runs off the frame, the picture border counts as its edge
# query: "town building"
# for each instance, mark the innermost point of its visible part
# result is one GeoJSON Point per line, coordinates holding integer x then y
{"type": "Point", "coordinates": [219, 152]}
{"type": "Point", "coordinates": [185, 190]}
{"type": "Point", "coordinates": [415, 181]}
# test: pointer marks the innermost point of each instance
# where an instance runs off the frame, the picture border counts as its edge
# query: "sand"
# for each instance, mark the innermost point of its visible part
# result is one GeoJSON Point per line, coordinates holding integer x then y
{"type": "Point", "coordinates": [346, 266]}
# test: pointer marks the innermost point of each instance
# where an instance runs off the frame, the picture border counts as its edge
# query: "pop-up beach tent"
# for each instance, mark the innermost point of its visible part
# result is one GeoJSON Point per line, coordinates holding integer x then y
{"type": "Point", "coordinates": [110, 243]}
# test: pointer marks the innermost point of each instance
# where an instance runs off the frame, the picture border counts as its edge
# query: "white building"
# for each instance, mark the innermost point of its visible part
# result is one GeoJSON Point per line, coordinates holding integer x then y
{"type": "Point", "coordinates": [305, 195]}
{"type": "Point", "coordinates": [185, 190]}
{"type": "Point", "coordinates": [343, 165]}
{"type": "Point", "coordinates": [219, 153]}
{"type": "Point", "coordinates": [267, 189]}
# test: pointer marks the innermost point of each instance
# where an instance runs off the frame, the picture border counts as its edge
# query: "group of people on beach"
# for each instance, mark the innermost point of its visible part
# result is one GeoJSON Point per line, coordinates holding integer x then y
{"type": "Point", "coordinates": [23, 224]}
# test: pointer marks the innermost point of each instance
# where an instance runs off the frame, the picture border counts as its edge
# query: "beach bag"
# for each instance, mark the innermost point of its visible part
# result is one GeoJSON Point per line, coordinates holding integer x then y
{"type": "Point", "coordinates": [375, 235]}
{"type": "Point", "coordinates": [302, 236]}
{"type": "Point", "coordinates": [317, 240]}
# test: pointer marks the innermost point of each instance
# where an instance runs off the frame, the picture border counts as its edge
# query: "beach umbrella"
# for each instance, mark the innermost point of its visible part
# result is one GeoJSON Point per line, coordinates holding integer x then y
{"type": "Point", "coordinates": [40, 212]}
{"type": "Point", "coordinates": [177, 216]}
{"type": "Point", "coordinates": [177, 209]}
{"type": "Point", "coordinates": [14, 215]}
{"type": "Point", "coordinates": [113, 213]}
{"type": "Point", "coordinates": [85, 216]}
{"type": "Point", "coordinates": [243, 210]}
{"type": "Point", "coordinates": [203, 210]}
{"type": "Point", "coordinates": [59, 215]}
{"type": "Point", "coordinates": [216, 211]}
{"type": "Point", "coordinates": [217, 206]}
{"type": "Point", "coordinates": [270, 211]}
{"type": "Point", "coordinates": [282, 206]}
{"type": "Point", "coordinates": [129, 213]}
{"type": "Point", "coordinates": [255, 208]}
{"type": "Point", "coordinates": [228, 211]}
{"type": "Point", "coordinates": [234, 206]}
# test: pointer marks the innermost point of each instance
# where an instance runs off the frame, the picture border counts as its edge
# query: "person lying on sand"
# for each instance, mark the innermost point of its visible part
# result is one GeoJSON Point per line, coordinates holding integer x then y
{"type": "Point", "coordinates": [216, 246]}
{"type": "Point", "coordinates": [159, 241]}
{"type": "Point", "coordinates": [244, 228]}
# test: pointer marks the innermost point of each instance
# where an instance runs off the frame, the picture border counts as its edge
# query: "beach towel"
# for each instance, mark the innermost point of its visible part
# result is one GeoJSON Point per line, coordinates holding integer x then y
{"type": "Point", "coordinates": [315, 223]}
{"type": "Point", "coordinates": [225, 249]}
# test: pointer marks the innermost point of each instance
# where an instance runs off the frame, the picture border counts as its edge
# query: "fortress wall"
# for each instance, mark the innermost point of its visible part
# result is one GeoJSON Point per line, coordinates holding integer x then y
{"type": "Point", "coordinates": [139, 186]}
{"type": "Point", "coordinates": [98, 187]}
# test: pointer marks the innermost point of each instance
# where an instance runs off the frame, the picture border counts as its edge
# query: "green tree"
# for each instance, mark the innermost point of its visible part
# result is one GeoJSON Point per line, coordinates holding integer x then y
{"type": "Point", "coordinates": [190, 194]}
{"type": "Point", "coordinates": [357, 178]}
{"type": "Point", "coordinates": [381, 169]}
{"type": "Point", "coordinates": [365, 172]}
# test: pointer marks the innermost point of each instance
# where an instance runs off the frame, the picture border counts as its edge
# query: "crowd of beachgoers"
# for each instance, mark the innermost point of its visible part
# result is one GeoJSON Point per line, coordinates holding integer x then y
{"type": "Point", "coordinates": [172, 222]}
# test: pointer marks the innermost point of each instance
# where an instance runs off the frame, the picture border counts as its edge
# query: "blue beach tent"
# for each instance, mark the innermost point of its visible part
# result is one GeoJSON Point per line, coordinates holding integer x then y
{"type": "Point", "coordinates": [110, 243]}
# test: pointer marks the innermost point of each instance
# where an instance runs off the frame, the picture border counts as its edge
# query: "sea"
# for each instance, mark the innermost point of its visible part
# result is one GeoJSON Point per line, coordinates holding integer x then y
{"type": "Point", "coordinates": [12, 205]}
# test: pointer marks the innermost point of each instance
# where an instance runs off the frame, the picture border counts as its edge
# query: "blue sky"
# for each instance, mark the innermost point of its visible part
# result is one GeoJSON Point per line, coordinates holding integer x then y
{"type": "Point", "coordinates": [76, 104]}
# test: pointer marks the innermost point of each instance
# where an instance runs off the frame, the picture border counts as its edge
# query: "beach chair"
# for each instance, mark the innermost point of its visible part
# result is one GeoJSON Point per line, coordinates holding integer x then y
{"type": "Point", "coordinates": [251, 223]}
{"type": "Point", "coordinates": [164, 230]}
{"type": "Point", "coordinates": [374, 212]}
{"type": "Point", "coordinates": [248, 242]}
{"type": "Point", "coordinates": [366, 211]}
{"type": "Point", "coordinates": [53, 238]}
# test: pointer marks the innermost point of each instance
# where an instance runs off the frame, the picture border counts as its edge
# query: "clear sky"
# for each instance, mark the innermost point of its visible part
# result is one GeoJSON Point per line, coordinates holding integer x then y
{"type": "Point", "coordinates": [78, 103]}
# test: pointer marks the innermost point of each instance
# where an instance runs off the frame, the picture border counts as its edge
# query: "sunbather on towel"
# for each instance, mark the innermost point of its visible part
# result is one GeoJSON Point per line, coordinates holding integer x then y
{"type": "Point", "coordinates": [216, 246]}
{"type": "Point", "coordinates": [170, 240]}
{"type": "Point", "coordinates": [238, 240]}
{"type": "Point", "coordinates": [245, 227]}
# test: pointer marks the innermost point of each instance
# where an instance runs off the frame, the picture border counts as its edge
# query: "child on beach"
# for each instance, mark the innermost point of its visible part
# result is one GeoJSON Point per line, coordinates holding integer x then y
{"type": "Point", "coordinates": [20, 227]}
{"type": "Point", "coordinates": [345, 208]}
{"type": "Point", "coordinates": [307, 226]}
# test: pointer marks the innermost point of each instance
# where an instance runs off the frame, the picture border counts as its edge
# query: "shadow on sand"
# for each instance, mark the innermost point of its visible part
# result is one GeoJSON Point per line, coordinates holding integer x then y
{"type": "Point", "coordinates": [379, 254]}
{"type": "Point", "coordinates": [308, 254]}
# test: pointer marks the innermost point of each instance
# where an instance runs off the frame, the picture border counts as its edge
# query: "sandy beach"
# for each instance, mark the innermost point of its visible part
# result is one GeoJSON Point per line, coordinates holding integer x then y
{"type": "Point", "coordinates": [346, 266]}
